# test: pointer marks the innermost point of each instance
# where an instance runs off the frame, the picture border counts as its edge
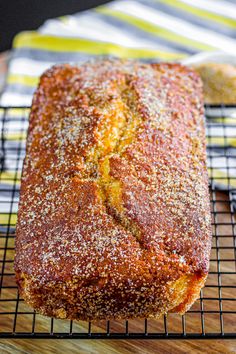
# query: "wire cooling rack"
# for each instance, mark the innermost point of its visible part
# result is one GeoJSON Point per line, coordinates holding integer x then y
{"type": "Point", "coordinates": [212, 316]}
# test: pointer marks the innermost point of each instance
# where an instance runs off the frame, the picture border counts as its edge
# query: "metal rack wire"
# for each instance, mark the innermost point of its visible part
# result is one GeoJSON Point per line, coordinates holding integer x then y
{"type": "Point", "coordinates": [212, 316]}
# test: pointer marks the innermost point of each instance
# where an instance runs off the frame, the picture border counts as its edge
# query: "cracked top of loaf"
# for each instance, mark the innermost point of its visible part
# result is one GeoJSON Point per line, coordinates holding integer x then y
{"type": "Point", "coordinates": [115, 181]}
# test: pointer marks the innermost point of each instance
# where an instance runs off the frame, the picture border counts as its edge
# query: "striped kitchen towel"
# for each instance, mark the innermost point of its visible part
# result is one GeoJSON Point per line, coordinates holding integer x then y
{"type": "Point", "coordinates": [150, 30]}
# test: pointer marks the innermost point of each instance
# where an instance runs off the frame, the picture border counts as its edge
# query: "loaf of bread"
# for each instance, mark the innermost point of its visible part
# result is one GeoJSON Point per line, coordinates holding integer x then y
{"type": "Point", "coordinates": [114, 215]}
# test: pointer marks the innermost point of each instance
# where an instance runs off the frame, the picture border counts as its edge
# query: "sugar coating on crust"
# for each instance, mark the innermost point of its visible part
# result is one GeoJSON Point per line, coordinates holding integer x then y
{"type": "Point", "coordinates": [114, 215]}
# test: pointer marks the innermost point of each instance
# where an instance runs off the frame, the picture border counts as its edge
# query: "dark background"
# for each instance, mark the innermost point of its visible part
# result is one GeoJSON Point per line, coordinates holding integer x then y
{"type": "Point", "coordinates": [20, 15]}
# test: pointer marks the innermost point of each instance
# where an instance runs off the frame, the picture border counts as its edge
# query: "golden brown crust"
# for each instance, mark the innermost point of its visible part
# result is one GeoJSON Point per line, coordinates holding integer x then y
{"type": "Point", "coordinates": [114, 217]}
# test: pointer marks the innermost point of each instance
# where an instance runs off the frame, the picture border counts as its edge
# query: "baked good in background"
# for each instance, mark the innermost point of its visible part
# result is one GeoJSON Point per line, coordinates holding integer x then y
{"type": "Point", "coordinates": [219, 82]}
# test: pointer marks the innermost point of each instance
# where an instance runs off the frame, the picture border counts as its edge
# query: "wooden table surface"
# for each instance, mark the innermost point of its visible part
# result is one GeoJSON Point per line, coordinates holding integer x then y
{"type": "Point", "coordinates": [12, 346]}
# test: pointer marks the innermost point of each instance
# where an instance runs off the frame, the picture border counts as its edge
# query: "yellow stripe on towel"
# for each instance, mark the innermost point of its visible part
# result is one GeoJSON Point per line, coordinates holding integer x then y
{"type": "Point", "coordinates": [34, 40]}
{"type": "Point", "coordinates": [221, 177]}
{"type": "Point", "coordinates": [25, 80]}
{"type": "Point", "coordinates": [201, 13]}
{"type": "Point", "coordinates": [4, 219]}
{"type": "Point", "coordinates": [155, 29]}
